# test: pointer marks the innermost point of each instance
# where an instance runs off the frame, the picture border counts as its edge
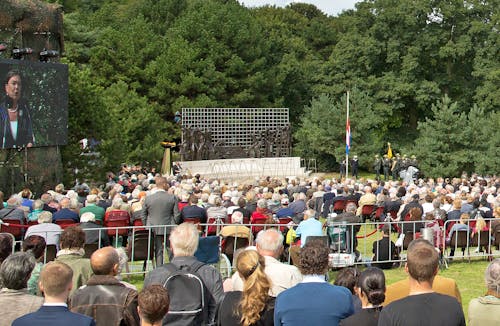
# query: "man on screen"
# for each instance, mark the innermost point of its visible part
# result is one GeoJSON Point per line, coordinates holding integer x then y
{"type": "Point", "coordinates": [16, 129]}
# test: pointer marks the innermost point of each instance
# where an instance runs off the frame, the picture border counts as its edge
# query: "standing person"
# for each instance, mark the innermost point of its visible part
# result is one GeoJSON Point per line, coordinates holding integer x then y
{"type": "Point", "coordinates": [314, 301]}
{"type": "Point", "coordinates": [16, 129]}
{"type": "Point", "coordinates": [386, 163]}
{"type": "Point", "coordinates": [342, 169]}
{"type": "Point", "coordinates": [354, 167]}
{"type": "Point", "coordinates": [160, 208]}
{"type": "Point", "coordinates": [377, 164]}
{"type": "Point", "coordinates": [105, 298]}
{"type": "Point", "coordinates": [370, 288]}
{"type": "Point", "coordinates": [153, 305]}
{"type": "Point", "coordinates": [253, 305]}
{"type": "Point", "coordinates": [422, 306]}
{"type": "Point", "coordinates": [55, 283]}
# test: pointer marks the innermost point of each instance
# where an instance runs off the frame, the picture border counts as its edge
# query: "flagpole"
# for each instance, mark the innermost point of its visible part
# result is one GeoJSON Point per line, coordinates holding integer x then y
{"type": "Point", "coordinates": [348, 141]}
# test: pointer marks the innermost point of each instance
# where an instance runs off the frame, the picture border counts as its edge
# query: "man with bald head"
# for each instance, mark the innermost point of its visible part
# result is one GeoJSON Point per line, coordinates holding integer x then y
{"type": "Point", "coordinates": [105, 298]}
{"type": "Point", "coordinates": [65, 212]}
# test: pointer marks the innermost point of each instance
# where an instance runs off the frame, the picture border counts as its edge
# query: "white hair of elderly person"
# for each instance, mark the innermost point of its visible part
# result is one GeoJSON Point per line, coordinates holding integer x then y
{"type": "Point", "coordinates": [87, 217]}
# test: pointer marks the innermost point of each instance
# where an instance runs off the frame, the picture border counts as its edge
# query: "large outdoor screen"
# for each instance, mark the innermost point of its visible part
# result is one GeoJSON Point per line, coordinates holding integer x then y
{"type": "Point", "coordinates": [33, 104]}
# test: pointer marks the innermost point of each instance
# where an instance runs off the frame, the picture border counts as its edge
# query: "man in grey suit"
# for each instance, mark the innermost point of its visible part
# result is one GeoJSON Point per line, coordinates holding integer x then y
{"type": "Point", "coordinates": [160, 208]}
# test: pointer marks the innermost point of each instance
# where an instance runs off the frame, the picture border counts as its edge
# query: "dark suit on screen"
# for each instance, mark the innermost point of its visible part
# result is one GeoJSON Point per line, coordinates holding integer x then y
{"type": "Point", "coordinates": [53, 316]}
{"type": "Point", "coordinates": [160, 208]}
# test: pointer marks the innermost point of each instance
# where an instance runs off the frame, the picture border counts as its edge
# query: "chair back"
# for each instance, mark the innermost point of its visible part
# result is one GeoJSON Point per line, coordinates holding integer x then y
{"type": "Point", "coordinates": [17, 232]}
{"type": "Point", "coordinates": [283, 221]}
{"type": "Point", "coordinates": [139, 248]}
{"type": "Point", "coordinates": [481, 238]}
{"type": "Point", "coordinates": [257, 228]}
{"type": "Point", "coordinates": [50, 253]}
{"type": "Point", "coordinates": [409, 236]}
{"type": "Point", "coordinates": [115, 219]}
{"type": "Point", "coordinates": [322, 238]}
{"type": "Point", "coordinates": [460, 239]}
{"type": "Point", "coordinates": [215, 224]}
{"type": "Point", "coordinates": [378, 213]}
{"type": "Point", "coordinates": [208, 249]}
{"type": "Point", "coordinates": [66, 222]}
{"type": "Point", "coordinates": [367, 210]}
{"type": "Point", "coordinates": [339, 205]}
{"type": "Point", "coordinates": [89, 249]}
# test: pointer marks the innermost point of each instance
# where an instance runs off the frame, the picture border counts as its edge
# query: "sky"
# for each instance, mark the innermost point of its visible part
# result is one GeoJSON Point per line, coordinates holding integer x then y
{"type": "Point", "coordinates": [330, 7]}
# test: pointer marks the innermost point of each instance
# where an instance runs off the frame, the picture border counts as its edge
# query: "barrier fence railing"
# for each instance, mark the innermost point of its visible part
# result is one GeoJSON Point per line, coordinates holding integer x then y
{"type": "Point", "coordinates": [357, 239]}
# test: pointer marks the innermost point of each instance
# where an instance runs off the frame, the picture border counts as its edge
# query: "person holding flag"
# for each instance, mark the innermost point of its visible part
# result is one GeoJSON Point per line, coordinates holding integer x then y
{"type": "Point", "coordinates": [389, 151]}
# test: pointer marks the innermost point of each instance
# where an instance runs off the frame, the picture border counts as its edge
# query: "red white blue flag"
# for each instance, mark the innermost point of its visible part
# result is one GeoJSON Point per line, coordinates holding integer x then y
{"type": "Point", "coordinates": [347, 136]}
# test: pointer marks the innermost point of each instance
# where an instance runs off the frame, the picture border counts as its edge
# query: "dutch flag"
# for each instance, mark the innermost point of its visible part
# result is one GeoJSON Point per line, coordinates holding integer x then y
{"type": "Point", "coordinates": [347, 136]}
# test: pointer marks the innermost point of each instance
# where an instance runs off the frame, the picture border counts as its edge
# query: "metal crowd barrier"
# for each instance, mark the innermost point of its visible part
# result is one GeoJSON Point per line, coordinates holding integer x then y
{"type": "Point", "coordinates": [341, 238]}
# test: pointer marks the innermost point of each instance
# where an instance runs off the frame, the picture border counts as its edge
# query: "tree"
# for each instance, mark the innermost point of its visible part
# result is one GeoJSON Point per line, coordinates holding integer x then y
{"type": "Point", "coordinates": [322, 130]}
{"type": "Point", "coordinates": [440, 146]}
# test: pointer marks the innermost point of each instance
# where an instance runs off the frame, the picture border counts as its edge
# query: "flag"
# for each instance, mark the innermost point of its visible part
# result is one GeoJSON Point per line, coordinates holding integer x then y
{"type": "Point", "coordinates": [347, 136]}
{"type": "Point", "coordinates": [389, 150]}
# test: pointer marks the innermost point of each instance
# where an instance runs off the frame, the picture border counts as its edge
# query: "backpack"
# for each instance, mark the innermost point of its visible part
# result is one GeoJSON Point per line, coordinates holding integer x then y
{"type": "Point", "coordinates": [188, 295]}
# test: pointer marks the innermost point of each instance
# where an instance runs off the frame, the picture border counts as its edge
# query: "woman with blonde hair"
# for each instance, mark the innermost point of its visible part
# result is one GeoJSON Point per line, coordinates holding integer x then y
{"type": "Point", "coordinates": [253, 305]}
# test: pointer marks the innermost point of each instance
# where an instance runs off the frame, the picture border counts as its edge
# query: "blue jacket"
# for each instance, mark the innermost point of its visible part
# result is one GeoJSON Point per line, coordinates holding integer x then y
{"type": "Point", "coordinates": [53, 316]}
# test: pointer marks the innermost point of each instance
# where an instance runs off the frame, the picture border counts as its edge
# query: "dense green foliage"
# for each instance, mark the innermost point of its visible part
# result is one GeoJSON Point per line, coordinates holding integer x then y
{"type": "Point", "coordinates": [423, 75]}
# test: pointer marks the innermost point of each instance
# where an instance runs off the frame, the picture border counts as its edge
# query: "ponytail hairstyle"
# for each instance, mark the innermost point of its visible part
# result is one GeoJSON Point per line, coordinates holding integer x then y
{"type": "Point", "coordinates": [372, 283]}
{"type": "Point", "coordinates": [250, 265]}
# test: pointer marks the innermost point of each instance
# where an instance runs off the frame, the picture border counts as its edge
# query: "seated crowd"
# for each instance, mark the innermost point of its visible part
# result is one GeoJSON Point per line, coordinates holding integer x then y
{"type": "Point", "coordinates": [264, 290]}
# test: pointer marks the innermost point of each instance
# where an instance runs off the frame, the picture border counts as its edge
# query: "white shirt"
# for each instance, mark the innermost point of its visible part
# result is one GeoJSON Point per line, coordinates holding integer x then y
{"type": "Point", "coordinates": [282, 276]}
{"type": "Point", "coordinates": [13, 129]}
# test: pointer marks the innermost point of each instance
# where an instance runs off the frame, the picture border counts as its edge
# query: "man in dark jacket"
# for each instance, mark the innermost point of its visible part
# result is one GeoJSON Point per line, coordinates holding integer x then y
{"type": "Point", "coordinates": [160, 208]}
{"type": "Point", "coordinates": [184, 243]}
{"type": "Point", "coordinates": [105, 298]}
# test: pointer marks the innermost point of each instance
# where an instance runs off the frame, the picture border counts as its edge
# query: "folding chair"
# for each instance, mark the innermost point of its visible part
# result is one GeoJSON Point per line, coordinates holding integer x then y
{"type": "Point", "coordinates": [16, 231]}
{"type": "Point", "coordinates": [209, 252]}
{"type": "Point", "coordinates": [90, 248]}
{"type": "Point", "coordinates": [339, 206]}
{"type": "Point", "coordinates": [460, 239]}
{"type": "Point", "coordinates": [367, 211]}
{"type": "Point", "coordinates": [50, 253]}
{"type": "Point", "coordinates": [141, 247]}
{"type": "Point", "coordinates": [66, 222]}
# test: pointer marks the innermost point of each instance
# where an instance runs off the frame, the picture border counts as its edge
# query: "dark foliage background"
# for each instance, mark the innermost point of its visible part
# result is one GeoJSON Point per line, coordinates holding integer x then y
{"type": "Point", "coordinates": [423, 75]}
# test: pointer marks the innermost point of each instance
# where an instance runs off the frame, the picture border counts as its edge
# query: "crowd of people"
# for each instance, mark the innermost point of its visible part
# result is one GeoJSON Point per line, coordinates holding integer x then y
{"type": "Point", "coordinates": [264, 289]}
